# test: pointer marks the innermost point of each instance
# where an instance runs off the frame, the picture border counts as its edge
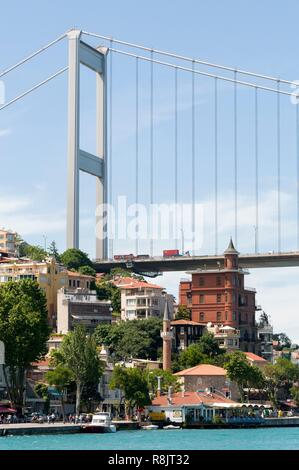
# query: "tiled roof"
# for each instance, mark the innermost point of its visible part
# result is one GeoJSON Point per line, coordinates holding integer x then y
{"type": "Point", "coordinates": [254, 357]}
{"type": "Point", "coordinates": [190, 398]}
{"type": "Point", "coordinates": [77, 274]}
{"type": "Point", "coordinates": [187, 322]}
{"type": "Point", "coordinates": [131, 283]}
{"type": "Point", "coordinates": [203, 369]}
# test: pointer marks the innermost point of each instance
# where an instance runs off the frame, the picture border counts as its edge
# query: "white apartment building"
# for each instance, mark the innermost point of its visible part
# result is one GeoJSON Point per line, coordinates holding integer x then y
{"type": "Point", "coordinates": [141, 300]}
{"type": "Point", "coordinates": [226, 336]}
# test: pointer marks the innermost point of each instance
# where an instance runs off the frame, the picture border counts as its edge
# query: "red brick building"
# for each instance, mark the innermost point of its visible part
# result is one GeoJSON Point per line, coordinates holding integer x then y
{"type": "Point", "coordinates": [219, 296]}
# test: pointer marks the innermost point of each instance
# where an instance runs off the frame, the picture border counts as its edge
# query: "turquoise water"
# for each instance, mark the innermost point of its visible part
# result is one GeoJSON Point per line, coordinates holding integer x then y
{"type": "Point", "coordinates": [229, 439]}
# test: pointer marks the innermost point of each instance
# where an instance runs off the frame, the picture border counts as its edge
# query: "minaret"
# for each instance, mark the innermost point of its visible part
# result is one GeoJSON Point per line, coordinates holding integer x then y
{"type": "Point", "coordinates": [166, 335]}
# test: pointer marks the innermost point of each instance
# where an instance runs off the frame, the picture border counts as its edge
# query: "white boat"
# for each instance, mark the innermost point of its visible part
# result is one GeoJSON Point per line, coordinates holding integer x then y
{"type": "Point", "coordinates": [150, 427]}
{"type": "Point", "coordinates": [171, 426]}
{"type": "Point", "coordinates": [101, 422]}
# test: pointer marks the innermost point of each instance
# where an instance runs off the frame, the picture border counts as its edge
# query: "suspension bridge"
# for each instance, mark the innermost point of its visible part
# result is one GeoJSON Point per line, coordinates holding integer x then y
{"type": "Point", "coordinates": [219, 129]}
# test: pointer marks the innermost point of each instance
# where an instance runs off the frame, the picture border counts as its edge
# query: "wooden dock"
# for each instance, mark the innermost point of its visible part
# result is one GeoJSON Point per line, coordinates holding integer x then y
{"type": "Point", "coordinates": [37, 428]}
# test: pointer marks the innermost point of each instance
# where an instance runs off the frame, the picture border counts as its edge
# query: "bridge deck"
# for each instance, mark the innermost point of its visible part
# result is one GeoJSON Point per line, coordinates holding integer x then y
{"type": "Point", "coordinates": [187, 263]}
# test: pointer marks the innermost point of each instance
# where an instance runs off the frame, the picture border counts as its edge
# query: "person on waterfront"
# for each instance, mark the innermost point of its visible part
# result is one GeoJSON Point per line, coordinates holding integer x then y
{"type": "Point", "coordinates": [53, 417]}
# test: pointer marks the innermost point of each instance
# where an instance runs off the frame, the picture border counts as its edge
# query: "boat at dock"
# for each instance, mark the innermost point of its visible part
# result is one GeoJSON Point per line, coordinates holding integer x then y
{"type": "Point", "coordinates": [149, 427]}
{"type": "Point", "coordinates": [171, 426]}
{"type": "Point", "coordinates": [101, 423]}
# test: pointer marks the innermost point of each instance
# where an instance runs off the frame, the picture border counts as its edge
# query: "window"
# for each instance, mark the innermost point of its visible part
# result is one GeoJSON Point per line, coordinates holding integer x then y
{"type": "Point", "coordinates": [131, 301]}
{"type": "Point", "coordinates": [201, 299]}
{"type": "Point", "coordinates": [218, 298]}
{"type": "Point", "coordinates": [182, 330]}
{"type": "Point", "coordinates": [234, 316]}
{"type": "Point", "coordinates": [202, 316]}
{"type": "Point", "coordinates": [70, 283]}
{"type": "Point", "coordinates": [201, 281]}
{"type": "Point", "coordinates": [218, 281]}
{"type": "Point", "coordinates": [78, 283]}
{"type": "Point", "coordinates": [218, 316]}
{"type": "Point", "coordinates": [226, 315]}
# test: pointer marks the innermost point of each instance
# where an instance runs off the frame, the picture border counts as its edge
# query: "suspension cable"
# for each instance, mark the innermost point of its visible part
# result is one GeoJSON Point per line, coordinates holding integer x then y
{"type": "Point", "coordinates": [189, 59]}
{"type": "Point", "coordinates": [110, 137]}
{"type": "Point", "coordinates": [34, 54]}
{"type": "Point", "coordinates": [256, 174]}
{"type": "Point", "coordinates": [278, 174]}
{"type": "Point", "coordinates": [236, 156]}
{"type": "Point", "coordinates": [193, 160]}
{"type": "Point", "coordinates": [297, 158]}
{"type": "Point", "coordinates": [216, 161]}
{"type": "Point", "coordinates": [206, 74]}
{"type": "Point", "coordinates": [297, 151]}
{"type": "Point", "coordinates": [35, 87]}
{"type": "Point", "coordinates": [176, 154]}
{"type": "Point", "coordinates": [137, 157]}
{"type": "Point", "coordinates": [151, 148]}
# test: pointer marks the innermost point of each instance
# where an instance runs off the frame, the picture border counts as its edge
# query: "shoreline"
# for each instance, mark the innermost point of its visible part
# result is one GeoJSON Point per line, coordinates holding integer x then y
{"type": "Point", "coordinates": [69, 428]}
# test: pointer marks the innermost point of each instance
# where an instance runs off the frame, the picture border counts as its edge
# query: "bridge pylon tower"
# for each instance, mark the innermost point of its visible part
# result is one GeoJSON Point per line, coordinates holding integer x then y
{"type": "Point", "coordinates": [79, 160]}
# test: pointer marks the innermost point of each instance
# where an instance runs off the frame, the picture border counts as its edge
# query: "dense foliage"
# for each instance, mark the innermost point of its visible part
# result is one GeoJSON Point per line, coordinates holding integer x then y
{"type": "Point", "coordinates": [205, 351]}
{"type": "Point", "coordinates": [24, 331]}
{"type": "Point", "coordinates": [75, 259]}
{"type": "Point", "coordinates": [183, 313]}
{"type": "Point", "coordinates": [78, 353]}
{"type": "Point", "coordinates": [136, 338]}
{"type": "Point", "coordinates": [133, 383]}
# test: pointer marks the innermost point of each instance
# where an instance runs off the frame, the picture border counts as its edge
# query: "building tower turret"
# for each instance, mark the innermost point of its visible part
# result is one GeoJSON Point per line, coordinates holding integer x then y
{"type": "Point", "coordinates": [231, 256]}
{"type": "Point", "coordinates": [166, 335]}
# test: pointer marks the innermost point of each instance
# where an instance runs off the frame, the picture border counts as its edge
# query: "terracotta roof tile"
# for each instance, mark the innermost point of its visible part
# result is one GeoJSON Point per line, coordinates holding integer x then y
{"type": "Point", "coordinates": [254, 357]}
{"type": "Point", "coordinates": [187, 322]}
{"type": "Point", "coordinates": [130, 282]}
{"type": "Point", "coordinates": [190, 398]}
{"type": "Point", "coordinates": [203, 369]}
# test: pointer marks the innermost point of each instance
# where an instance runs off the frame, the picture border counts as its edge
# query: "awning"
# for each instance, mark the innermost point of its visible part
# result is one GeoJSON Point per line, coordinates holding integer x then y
{"type": "Point", "coordinates": [7, 410]}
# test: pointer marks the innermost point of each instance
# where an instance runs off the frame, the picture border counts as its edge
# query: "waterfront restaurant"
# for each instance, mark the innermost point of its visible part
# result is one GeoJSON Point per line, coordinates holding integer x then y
{"type": "Point", "coordinates": [200, 407]}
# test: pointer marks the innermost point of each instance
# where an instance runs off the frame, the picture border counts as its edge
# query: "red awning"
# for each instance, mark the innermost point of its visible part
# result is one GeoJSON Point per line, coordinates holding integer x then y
{"type": "Point", "coordinates": [7, 410]}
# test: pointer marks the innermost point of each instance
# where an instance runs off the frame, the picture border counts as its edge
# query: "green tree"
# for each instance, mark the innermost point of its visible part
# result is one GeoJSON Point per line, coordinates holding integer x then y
{"type": "Point", "coordinates": [295, 394]}
{"type": "Point", "coordinates": [24, 331]}
{"type": "Point", "coordinates": [53, 252]}
{"type": "Point", "coordinates": [35, 252]}
{"type": "Point", "coordinates": [136, 338]}
{"type": "Point", "coordinates": [280, 375]}
{"type": "Point", "coordinates": [74, 259]}
{"type": "Point", "coordinates": [78, 352]}
{"type": "Point", "coordinates": [209, 346]}
{"type": "Point", "coordinates": [87, 271]}
{"type": "Point", "coordinates": [238, 370]}
{"type": "Point", "coordinates": [133, 383]}
{"type": "Point", "coordinates": [204, 351]}
{"type": "Point", "coordinates": [41, 391]}
{"type": "Point", "coordinates": [108, 291]}
{"type": "Point", "coordinates": [61, 377]}
{"type": "Point", "coordinates": [183, 313]}
{"type": "Point", "coordinates": [283, 339]}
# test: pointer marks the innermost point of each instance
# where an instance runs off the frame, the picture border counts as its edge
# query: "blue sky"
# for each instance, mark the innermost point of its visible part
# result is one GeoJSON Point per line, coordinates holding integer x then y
{"type": "Point", "coordinates": [252, 35]}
